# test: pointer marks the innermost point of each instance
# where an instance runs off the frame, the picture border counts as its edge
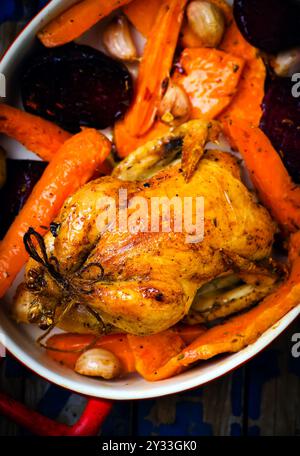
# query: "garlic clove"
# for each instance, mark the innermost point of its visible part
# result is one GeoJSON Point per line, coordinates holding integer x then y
{"type": "Point", "coordinates": [175, 105]}
{"type": "Point", "coordinates": [21, 304]}
{"type": "Point", "coordinates": [286, 63]}
{"type": "Point", "coordinates": [207, 21]}
{"type": "Point", "coordinates": [98, 362]}
{"type": "Point", "coordinates": [118, 41]}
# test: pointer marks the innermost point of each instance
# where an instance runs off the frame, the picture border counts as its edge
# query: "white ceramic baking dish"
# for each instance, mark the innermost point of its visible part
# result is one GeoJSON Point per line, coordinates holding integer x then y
{"type": "Point", "coordinates": [20, 339]}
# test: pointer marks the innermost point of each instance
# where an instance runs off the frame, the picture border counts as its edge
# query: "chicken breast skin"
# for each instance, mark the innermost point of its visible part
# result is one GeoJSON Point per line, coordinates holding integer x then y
{"type": "Point", "coordinates": [149, 278]}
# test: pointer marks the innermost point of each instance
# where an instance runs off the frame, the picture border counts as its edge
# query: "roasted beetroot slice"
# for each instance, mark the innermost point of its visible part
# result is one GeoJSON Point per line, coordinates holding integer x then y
{"type": "Point", "coordinates": [281, 123]}
{"type": "Point", "coordinates": [270, 25]}
{"type": "Point", "coordinates": [76, 86]}
{"type": "Point", "coordinates": [22, 175]}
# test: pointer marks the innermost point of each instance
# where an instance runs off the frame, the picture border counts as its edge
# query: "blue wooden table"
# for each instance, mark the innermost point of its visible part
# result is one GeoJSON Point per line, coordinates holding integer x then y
{"type": "Point", "coordinates": [260, 398]}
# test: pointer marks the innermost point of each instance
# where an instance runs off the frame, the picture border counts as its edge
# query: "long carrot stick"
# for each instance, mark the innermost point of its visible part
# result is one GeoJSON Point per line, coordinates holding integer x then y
{"type": "Point", "coordinates": [76, 20]}
{"type": "Point", "coordinates": [73, 165]}
{"type": "Point", "coordinates": [155, 67]}
{"type": "Point", "coordinates": [275, 186]}
{"type": "Point", "coordinates": [38, 135]}
{"type": "Point", "coordinates": [246, 103]}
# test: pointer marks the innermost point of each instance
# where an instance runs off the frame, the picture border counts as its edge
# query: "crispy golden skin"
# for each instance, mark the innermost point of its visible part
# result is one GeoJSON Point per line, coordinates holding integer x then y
{"type": "Point", "coordinates": [150, 279]}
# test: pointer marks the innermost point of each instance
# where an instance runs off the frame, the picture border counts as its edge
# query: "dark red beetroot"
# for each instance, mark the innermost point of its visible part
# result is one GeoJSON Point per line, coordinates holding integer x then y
{"type": "Point", "coordinates": [270, 25]}
{"type": "Point", "coordinates": [281, 123]}
{"type": "Point", "coordinates": [22, 175]}
{"type": "Point", "coordinates": [76, 86]}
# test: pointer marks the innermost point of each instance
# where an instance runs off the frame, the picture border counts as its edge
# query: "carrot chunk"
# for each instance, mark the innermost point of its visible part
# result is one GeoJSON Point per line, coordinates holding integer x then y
{"type": "Point", "coordinates": [189, 333]}
{"type": "Point", "coordinates": [151, 352]}
{"type": "Point", "coordinates": [210, 78]}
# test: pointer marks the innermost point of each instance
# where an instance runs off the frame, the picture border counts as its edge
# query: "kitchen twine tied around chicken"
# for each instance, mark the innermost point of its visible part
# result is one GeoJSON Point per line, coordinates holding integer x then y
{"type": "Point", "coordinates": [69, 284]}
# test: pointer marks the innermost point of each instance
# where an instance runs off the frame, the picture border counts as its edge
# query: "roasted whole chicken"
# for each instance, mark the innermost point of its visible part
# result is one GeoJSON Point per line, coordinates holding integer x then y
{"type": "Point", "coordinates": [86, 280]}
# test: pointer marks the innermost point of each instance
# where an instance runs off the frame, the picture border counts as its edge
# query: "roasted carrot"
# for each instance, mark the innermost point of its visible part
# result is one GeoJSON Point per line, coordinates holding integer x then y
{"type": "Point", "coordinates": [142, 14]}
{"type": "Point", "coordinates": [36, 134]}
{"type": "Point", "coordinates": [210, 78]}
{"type": "Point", "coordinates": [250, 94]}
{"type": "Point", "coordinates": [152, 352]}
{"type": "Point", "coordinates": [76, 20]}
{"type": "Point", "coordinates": [189, 333]}
{"type": "Point", "coordinates": [77, 343]}
{"type": "Point", "coordinates": [271, 179]}
{"type": "Point", "coordinates": [73, 165]}
{"type": "Point", "coordinates": [246, 103]}
{"type": "Point", "coordinates": [126, 143]}
{"type": "Point", "coordinates": [234, 43]}
{"type": "Point", "coordinates": [155, 67]}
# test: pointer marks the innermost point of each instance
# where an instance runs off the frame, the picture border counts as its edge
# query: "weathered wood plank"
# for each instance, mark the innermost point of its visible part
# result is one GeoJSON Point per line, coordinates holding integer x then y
{"type": "Point", "coordinates": [274, 394]}
{"type": "Point", "coordinates": [215, 409]}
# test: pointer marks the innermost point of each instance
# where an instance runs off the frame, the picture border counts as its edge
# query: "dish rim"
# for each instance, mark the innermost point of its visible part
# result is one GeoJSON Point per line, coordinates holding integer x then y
{"type": "Point", "coordinates": [153, 389]}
